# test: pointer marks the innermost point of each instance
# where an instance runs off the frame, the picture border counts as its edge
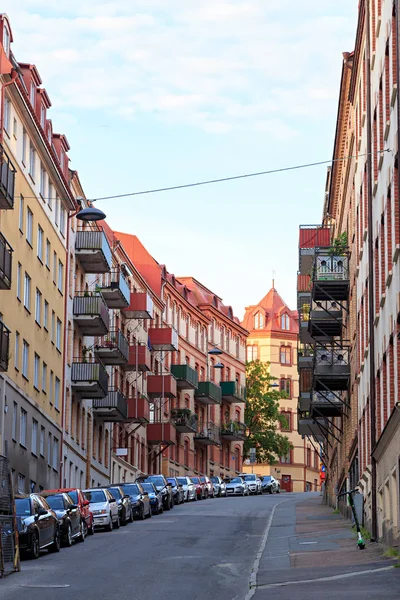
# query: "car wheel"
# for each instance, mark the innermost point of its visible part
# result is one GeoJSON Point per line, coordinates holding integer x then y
{"type": "Point", "coordinates": [83, 534]}
{"type": "Point", "coordinates": [91, 529]}
{"type": "Point", "coordinates": [149, 513]}
{"type": "Point", "coordinates": [117, 523]}
{"type": "Point", "coordinates": [35, 546]}
{"type": "Point", "coordinates": [278, 491]}
{"type": "Point", "coordinates": [142, 516]}
{"type": "Point", "coordinates": [68, 536]}
{"type": "Point", "coordinates": [124, 521]}
{"type": "Point", "coordinates": [56, 545]}
{"type": "Point", "coordinates": [270, 490]}
{"type": "Point", "coordinates": [161, 509]}
{"type": "Point", "coordinates": [109, 527]}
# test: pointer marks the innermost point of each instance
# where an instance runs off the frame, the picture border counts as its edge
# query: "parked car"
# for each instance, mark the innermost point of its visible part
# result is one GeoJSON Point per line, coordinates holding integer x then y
{"type": "Point", "coordinates": [177, 490]}
{"type": "Point", "coordinates": [269, 485]}
{"type": "Point", "coordinates": [253, 482]}
{"type": "Point", "coordinates": [162, 486]}
{"type": "Point", "coordinates": [219, 486]}
{"type": "Point", "coordinates": [189, 488]}
{"type": "Point", "coordinates": [124, 504]}
{"type": "Point", "coordinates": [237, 487]}
{"type": "Point", "coordinates": [156, 501]}
{"type": "Point", "coordinates": [208, 483]}
{"type": "Point", "coordinates": [37, 523]}
{"type": "Point", "coordinates": [201, 488]}
{"type": "Point", "coordinates": [104, 508]}
{"type": "Point", "coordinates": [84, 505]}
{"type": "Point", "coordinates": [140, 500]}
{"type": "Point", "coordinates": [68, 515]}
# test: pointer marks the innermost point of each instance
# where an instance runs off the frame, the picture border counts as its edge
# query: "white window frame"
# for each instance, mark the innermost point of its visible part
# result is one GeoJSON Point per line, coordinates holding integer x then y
{"type": "Point", "coordinates": [7, 115]}
{"type": "Point", "coordinates": [23, 421]}
{"type": "Point", "coordinates": [14, 421]}
{"type": "Point", "coordinates": [32, 94]}
{"type": "Point", "coordinates": [49, 444]}
{"type": "Point", "coordinates": [44, 377]}
{"type": "Point", "coordinates": [16, 350]}
{"type": "Point", "coordinates": [36, 370]}
{"type": "Point", "coordinates": [24, 145]}
{"type": "Point", "coordinates": [32, 161]}
{"type": "Point", "coordinates": [51, 382]}
{"type": "Point", "coordinates": [46, 315]}
{"type": "Point", "coordinates": [57, 388]}
{"type": "Point", "coordinates": [60, 277]}
{"type": "Point", "coordinates": [42, 188]}
{"type": "Point", "coordinates": [21, 213]}
{"type": "Point", "coordinates": [25, 359]}
{"type": "Point", "coordinates": [48, 253]}
{"type": "Point", "coordinates": [34, 436]}
{"type": "Point", "coordinates": [41, 440]}
{"type": "Point", "coordinates": [40, 237]}
{"type": "Point", "coordinates": [19, 273]}
{"type": "Point", "coordinates": [38, 307]}
{"type": "Point", "coordinates": [6, 40]}
{"type": "Point", "coordinates": [58, 334]}
{"type": "Point", "coordinates": [42, 115]}
{"type": "Point", "coordinates": [56, 453]}
{"type": "Point", "coordinates": [53, 325]}
{"type": "Point", "coordinates": [29, 226]}
{"type": "Point", "coordinates": [27, 291]}
{"type": "Point", "coordinates": [50, 196]}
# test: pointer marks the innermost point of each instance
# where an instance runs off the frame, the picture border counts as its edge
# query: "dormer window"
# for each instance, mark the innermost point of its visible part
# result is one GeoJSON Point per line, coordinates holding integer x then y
{"type": "Point", "coordinates": [42, 116]}
{"type": "Point", "coordinates": [32, 95]}
{"type": "Point", "coordinates": [62, 160]}
{"type": "Point", "coordinates": [6, 41]}
{"type": "Point", "coordinates": [258, 320]}
{"type": "Point", "coordinates": [285, 322]}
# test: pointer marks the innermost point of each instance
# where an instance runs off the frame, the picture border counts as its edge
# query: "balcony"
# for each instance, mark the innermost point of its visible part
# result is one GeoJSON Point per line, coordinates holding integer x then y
{"type": "Point", "coordinates": [161, 386]}
{"type": "Point", "coordinates": [305, 380]}
{"type": "Point", "coordinates": [93, 250]}
{"type": "Point", "coordinates": [184, 420]}
{"type": "Point", "coordinates": [326, 319]}
{"type": "Point", "coordinates": [5, 263]}
{"type": "Point", "coordinates": [7, 181]}
{"type": "Point", "coordinates": [112, 349]}
{"type": "Point", "coordinates": [305, 356]}
{"type": "Point", "coordinates": [186, 377]}
{"type": "Point", "coordinates": [208, 393]}
{"type": "Point", "coordinates": [139, 359]}
{"type": "Point", "coordinates": [207, 435]}
{"type": "Point", "coordinates": [111, 409]}
{"type": "Point", "coordinates": [140, 306]}
{"type": "Point", "coordinates": [332, 367]}
{"type": "Point", "coordinates": [233, 392]}
{"type": "Point", "coordinates": [4, 346]}
{"type": "Point", "coordinates": [138, 410]}
{"type": "Point", "coordinates": [304, 403]}
{"type": "Point", "coordinates": [316, 428]}
{"type": "Point", "coordinates": [89, 379]}
{"type": "Point", "coordinates": [233, 432]}
{"type": "Point", "coordinates": [91, 314]}
{"type": "Point", "coordinates": [303, 305]}
{"type": "Point", "coordinates": [330, 276]}
{"type": "Point", "coordinates": [163, 338]}
{"type": "Point", "coordinates": [161, 433]}
{"type": "Point", "coordinates": [326, 404]}
{"type": "Point", "coordinates": [310, 238]}
{"type": "Point", "coordinates": [116, 291]}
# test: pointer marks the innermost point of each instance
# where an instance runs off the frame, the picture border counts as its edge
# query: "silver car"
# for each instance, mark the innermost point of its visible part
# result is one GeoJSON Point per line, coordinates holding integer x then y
{"type": "Point", "coordinates": [219, 486]}
{"type": "Point", "coordinates": [104, 508]}
{"type": "Point", "coordinates": [189, 489]}
{"type": "Point", "coordinates": [253, 482]}
{"type": "Point", "coordinates": [237, 487]}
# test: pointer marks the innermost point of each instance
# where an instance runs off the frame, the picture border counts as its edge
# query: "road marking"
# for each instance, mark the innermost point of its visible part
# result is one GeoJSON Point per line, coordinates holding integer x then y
{"type": "Point", "coordinates": [328, 578]}
{"type": "Point", "coordinates": [305, 543]}
{"type": "Point", "coordinates": [44, 586]}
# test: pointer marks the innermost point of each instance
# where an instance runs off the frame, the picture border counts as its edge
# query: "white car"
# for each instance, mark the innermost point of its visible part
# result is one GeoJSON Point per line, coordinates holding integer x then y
{"type": "Point", "coordinates": [104, 508]}
{"type": "Point", "coordinates": [237, 487]}
{"type": "Point", "coordinates": [253, 482]}
{"type": "Point", "coordinates": [189, 489]}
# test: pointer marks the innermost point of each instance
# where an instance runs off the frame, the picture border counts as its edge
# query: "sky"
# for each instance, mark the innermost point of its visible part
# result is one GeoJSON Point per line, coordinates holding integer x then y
{"type": "Point", "coordinates": [157, 93]}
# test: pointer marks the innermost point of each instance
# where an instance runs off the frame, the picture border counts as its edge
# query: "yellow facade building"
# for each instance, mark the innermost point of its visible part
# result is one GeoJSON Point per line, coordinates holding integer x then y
{"type": "Point", "coordinates": [273, 333]}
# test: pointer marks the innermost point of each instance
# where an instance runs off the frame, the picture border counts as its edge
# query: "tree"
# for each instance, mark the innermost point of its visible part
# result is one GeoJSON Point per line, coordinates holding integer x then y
{"type": "Point", "coordinates": [262, 415]}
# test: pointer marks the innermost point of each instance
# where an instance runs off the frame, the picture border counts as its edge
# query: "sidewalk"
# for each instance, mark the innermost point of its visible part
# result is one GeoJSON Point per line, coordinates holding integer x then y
{"type": "Point", "coordinates": [308, 542]}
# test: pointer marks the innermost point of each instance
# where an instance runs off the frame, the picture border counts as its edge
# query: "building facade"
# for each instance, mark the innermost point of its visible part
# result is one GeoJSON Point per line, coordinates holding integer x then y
{"type": "Point", "coordinates": [273, 334]}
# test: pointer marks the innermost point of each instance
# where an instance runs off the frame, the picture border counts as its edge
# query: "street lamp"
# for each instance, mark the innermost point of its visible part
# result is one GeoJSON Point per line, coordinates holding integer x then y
{"type": "Point", "coordinates": [90, 214]}
{"type": "Point", "coordinates": [219, 365]}
{"type": "Point", "coordinates": [215, 351]}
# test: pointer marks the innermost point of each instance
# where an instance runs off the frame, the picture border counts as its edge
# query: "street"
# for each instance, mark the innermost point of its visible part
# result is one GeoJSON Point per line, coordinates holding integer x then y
{"type": "Point", "coordinates": [230, 549]}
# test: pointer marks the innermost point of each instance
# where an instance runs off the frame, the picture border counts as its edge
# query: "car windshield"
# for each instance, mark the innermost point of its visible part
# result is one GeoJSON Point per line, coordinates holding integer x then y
{"type": "Point", "coordinates": [249, 477]}
{"type": "Point", "coordinates": [96, 496]}
{"type": "Point", "coordinates": [148, 487]}
{"type": "Point", "coordinates": [182, 480]}
{"type": "Point", "coordinates": [171, 480]}
{"type": "Point", "coordinates": [131, 489]}
{"type": "Point", "coordinates": [55, 502]}
{"type": "Point", "coordinates": [214, 479]}
{"type": "Point", "coordinates": [236, 480]}
{"type": "Point", "coordinates": [267, 479]}
{"type": "Point", "coordinates": [203, 479]}
{"type": "Point", "coordinates": [22, 507]}
{"type": "Point", "coordinates": [158, 481]}
{"type": "Point", "coordinates": [73, 496]}
{"type": "Point", "coordinates": [116, 493]}
{"type": "Point", "coordinates": [195, 480]}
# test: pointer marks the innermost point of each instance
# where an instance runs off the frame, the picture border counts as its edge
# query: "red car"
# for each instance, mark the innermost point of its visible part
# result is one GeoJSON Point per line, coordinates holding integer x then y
{"type": "Point", "coordinates": [201, 488]}
{"type": "Point", "coordinates": [78, 497]}
{"type": "Point", "coordinates": [209, 486]}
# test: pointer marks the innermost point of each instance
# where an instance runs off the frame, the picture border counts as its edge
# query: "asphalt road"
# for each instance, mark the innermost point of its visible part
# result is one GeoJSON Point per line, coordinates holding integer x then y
{"type": "Point", "coordinates": [199, 551]}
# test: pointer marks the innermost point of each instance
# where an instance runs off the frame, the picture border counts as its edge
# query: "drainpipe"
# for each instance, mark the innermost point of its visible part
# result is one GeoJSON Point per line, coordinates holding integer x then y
{"type": "Point", "coordinates": [371, 284]}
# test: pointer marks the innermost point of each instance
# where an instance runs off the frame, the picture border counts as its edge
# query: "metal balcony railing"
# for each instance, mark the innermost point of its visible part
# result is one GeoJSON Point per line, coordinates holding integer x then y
{"type": "Point", "coordinates": [113, 407]}
{"type": "Point", "coordinates": [184, 419]}
{"type": "Point", "coordinates": [91, 304]}
{"type": "Point", "coordinates": [5, 263]}
{"type": "Point", "coordinates": [115, 281]}
{"type": "Point", "coordinates": [85, 370]}
{"type": "Point", "coordinates": [89, 243]}
{"type": "Point", "coordinates": [4, 346]}
{"type": "Point", "coordinates": [186, 376]}
{"type": "Point", "coordinates": [114, 340]}
{"type": "Point", "coordinates": [207, 431]}
{"type": "Point", "coordinates": [233, 429]}
{"type": "Point", "coordinates": [7, 181]}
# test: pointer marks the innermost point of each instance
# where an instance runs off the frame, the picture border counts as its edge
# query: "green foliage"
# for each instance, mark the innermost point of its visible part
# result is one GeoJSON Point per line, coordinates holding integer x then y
{"type": "Point", "coordinates": [340, 245]}
{"type": "Point", "coordinates": [262, 415]}
{"type": "Point", "coordinates": [392, 553]}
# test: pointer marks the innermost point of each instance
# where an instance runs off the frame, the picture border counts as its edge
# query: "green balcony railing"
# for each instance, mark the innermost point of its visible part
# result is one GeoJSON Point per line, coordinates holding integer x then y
{"type": "Point", "coordinates": [185, 375]}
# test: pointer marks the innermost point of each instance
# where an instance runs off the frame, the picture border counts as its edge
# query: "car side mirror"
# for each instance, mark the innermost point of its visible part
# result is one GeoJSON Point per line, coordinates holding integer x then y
{"type": "Point", "coordinates": [41, 513]}
{"type": "Point", "coordinates": [145, 493]}
{"type": "Point", "coordinates": [86, 503]}
{"type": "Point", "coordinates": [112, 500]}
{"type": "Point", "coordinates": [169, 484]}
{"type": "Point", "coordinates": [127, 497]}
{"type": "Point", "coordinates": [73, 507]}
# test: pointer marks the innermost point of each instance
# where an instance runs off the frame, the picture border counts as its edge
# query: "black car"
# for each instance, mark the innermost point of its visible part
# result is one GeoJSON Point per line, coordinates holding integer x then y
{"type": "Point", "coordinates": [139, 499]}
{"type": "Point", "coordinates": [162, 486]}
{"type": "Point", "coordinates": [124, 504]}
{"type": "Point", "coordinates": [38, 526]}
{"type": "Point", "coordinates": [177, 490]}
{"type": "Point", "coordinates": [155, 496]}
{"type": "Point", "coordinates": [69, 516]}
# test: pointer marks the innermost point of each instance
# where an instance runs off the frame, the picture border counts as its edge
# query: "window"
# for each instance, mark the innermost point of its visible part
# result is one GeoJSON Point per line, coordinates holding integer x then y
{"type": "Point", "coordinates": [27, 292]}
{"type": "Point", "coordinates": [35, 426]}
{"type": "Point", "coordinates": [56, 450]}
{"type": "Point", "coordinates": [22, 427]}
{"type": "Point", "coordinates": [56, 393]}
{"type": "Point", "coordinates": [51, 387]}
{"type": "Point", "coordinates": [58, 335]}
{"type": "Point", "coordinates": [32, 94]}
{"type": "Point", "coordinates": [32, 161]}
{"type": "Point", "coordinates": [46, 315]}
{"type": "Point", "coordinates": [19, 271]}
{"type": "Point", "coordinates": [258, 320]}
{"type": "Point", "coordinates": [42, 183]}
{"type": "Point", "coordinates": [57, 210]}
{"type": "Point", "coordinates": [6, 40]}
{"type": "Point", "coordinates": [25, 359]}
{"type": "Point", "coordinates": [48, 251]}
{"type": "Point", "coordinates": [285, 385]}
{"type": "Point", "coordinates": [60, 276]}
{"type": "Point", "coordinates": [50, 196]}
{"type": "Point", "coordinates": [7, 115]}
{"type": "Point", "coordinates": [29, 226]}
{"type": "Point", "coordinates": [42, 115]}
{"type": "Point", "coordinates": [62, 221]}
{"type": "Point", "coordinates": [41, 440]}
{"type": "Point", "coordinates": [252, 353]}
{"type": "Point", "coordinates": [54, 267]}
{"type": "Point", "coordinates": [14, 421]}
{"type": "Point", "coordinates": [44, 377]}
{"type": "Point", "coordinates": [38, 307]}
{"type": "Point", "coordinates": [36, 367]}
{"type": "Point", "coordinates": [40, 244]}
{"type": "Point", "coordinates": [21, 213]}
{"type": "Point", "coordinates": [16, 355]}
{"type": "Point", "coordinates": [287, 459]}
{"type": "Point", "coordinates": [288, 417]}
{"type": "Point", "coordinates": [286, 355]}
{"type": "Point", "coordinates": [49, 440]}
{"type": "Point", "coordinates": [24, 145]}
{"type": "Point", "coordinates": [21, 484]}
{"type": "Point", "coordinates": [53, 325]}
{"type": "Point", "coordinates": [285, 322]}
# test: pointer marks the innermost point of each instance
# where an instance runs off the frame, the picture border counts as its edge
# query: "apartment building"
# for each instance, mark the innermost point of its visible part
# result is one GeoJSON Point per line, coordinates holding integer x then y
{"type": "Point", "coordinates": [273, 334]}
